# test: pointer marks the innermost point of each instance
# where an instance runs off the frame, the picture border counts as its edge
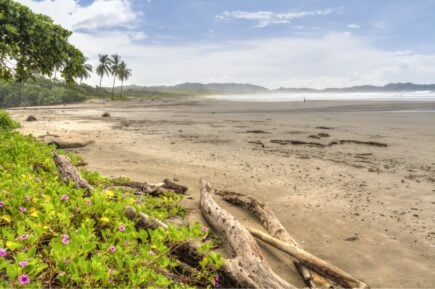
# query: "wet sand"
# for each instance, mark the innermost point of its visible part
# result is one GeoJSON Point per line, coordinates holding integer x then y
{"type": "Point", "coordinates": [360, 194]}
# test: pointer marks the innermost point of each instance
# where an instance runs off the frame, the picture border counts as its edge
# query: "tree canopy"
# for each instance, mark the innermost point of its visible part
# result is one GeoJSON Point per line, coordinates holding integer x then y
{"type": "Point", "coordinates": [31, 44]}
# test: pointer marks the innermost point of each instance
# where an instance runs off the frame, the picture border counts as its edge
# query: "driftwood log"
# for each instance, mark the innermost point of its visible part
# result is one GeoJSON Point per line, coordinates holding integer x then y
{"type": "Point", "coordinates": [274, 227]}
{"type": "Point", "coordinates": [151, 189]}
{"type": "Point", "coordinates": [68, 172]}
{"type": "Point", "coordinates": [69, 145]}
{"type": "Point", "coordinates": [309, 260]}
{"type": "Point", "coordinates": [249, 267]}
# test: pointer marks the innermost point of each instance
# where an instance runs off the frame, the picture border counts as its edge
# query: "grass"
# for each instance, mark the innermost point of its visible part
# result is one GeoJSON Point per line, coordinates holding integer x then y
{"type": "Point", "coordinates": [51, 236]}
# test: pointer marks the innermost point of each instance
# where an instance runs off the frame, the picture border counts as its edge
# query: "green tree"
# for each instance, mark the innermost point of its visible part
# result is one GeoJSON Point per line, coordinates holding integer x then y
{"type": "Point", "coordinates": [115, 61]}
{"type": "Point", "coordinates": [104, 67]}
{"type": "Point", "coordinates": [124, 74]}
{"type": "Point", "coordinates": [31, 44]}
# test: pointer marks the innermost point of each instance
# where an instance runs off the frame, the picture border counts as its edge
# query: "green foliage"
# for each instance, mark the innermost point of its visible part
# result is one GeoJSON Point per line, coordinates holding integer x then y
{"type": "Point", "coordinates": [31, 44]}
{"type": "Point", "coordinates": [6, 122]}
{"type": "Point", "coordinates": [57, 238]}
{"type": "Point", "coordinates": [45, 92]}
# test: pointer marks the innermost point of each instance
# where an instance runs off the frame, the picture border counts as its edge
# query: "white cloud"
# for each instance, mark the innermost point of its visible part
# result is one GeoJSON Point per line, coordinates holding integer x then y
{"type": "Point", "coordinates": [353, 26]}
{"type": "Point", "coordinates": [266, 18]}
{"type": "Point", "coordinates": [101, 14]}
{"type": "Point", "coordinates": [337, 59]}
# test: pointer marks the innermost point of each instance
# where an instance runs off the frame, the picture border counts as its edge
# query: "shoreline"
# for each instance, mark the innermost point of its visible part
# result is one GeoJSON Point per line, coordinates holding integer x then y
{"type": "Point", "coordinates": [323, 196]}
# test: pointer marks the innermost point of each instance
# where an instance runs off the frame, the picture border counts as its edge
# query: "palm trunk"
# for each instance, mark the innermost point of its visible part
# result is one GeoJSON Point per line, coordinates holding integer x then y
{"type": "Point", "coordinates": [113, 87]}
{"type": "Point", "coordinates": [122, 84]}
{"type": "Point", "coordinates": [101, 79]}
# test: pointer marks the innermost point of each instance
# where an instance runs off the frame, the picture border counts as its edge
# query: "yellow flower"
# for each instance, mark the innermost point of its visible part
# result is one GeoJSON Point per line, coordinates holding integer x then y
{"type": "Point", "coordinates": [7, 218]}
{"type": "Point", "coordinates": [110, 194]}
{"type": "Point", "coordinates": [104, 220]}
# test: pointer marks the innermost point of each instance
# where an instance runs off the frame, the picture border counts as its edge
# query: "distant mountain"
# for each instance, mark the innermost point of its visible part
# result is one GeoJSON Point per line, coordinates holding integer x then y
{"type": "Point", "coordinates": [209, 88]}
{"type": "Point", "coordinates": [239, 88]}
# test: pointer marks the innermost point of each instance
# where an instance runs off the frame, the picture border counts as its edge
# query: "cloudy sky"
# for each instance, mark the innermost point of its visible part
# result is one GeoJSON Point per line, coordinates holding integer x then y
{"type": "Point", "coordinates": [309, 43]}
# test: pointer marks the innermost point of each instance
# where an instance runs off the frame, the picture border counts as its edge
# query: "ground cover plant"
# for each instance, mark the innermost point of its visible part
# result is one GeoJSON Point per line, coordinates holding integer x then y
{"type": "Point", "coordinates": [52, 236]}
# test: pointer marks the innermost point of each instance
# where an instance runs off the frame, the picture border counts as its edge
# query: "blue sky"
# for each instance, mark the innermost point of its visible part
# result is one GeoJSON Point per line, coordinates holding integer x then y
{"type": "Point", "coordinates": [268, 42]}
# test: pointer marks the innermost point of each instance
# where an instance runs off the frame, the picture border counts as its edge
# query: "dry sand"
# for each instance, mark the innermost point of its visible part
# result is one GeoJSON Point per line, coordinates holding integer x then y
{"type": "Point", "coordinates": [382, 198]}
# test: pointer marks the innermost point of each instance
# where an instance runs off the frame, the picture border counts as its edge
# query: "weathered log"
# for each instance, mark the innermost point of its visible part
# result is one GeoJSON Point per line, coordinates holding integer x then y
{"type": "Point", "coordinates": [274, 227]}
{"type": "Point", "coordinates": [48, 135]}
{"type": "Point", "coordinates": [309, 260]}
{"type": "Point", "coordinates": [68, 172]}
{"type": "Point", "coordinates": [69, 145]}
{"type": "Point", "coordinates": [249, 266]}
{"type": "Point", "coordinates": [151, 189]}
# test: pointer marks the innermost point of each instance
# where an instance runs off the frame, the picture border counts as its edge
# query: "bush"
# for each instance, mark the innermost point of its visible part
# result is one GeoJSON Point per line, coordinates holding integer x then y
{"type": "Point", "coordinates": [52, 236]}
{"type": "Point", "coordinates": [6, 122]}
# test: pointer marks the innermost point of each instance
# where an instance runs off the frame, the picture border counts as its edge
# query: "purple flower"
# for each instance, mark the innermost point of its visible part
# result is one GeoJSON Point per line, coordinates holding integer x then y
{"type": "Point", "coordinates": [126, 243]}
{"type": "Point", "coordinates": [110, 280]}
{"type": "Point", "coordinates": [111, 271]}
{"type": "Point", "coordinates": [204, 229]}
{"type": "Point", "coordinates": [1, 204]}
{"type": "Point", "coordinates": [64, 198]}
{"type": "Point", "coordinates": [23, 209]}
{"type": "Point", "coordinates": [3, 252]}
{"type": "Point", "coordinates": [112, 249]}
{"type": "Point", "coordinates": [88, 202]}
{"type": "Point", "coordinates": [24, 237]}
{"type": "Point", "coordinates": [24, 279]}
{"type": "Point", "coordinates": [67, 261]}
{"type": "Point", "coordinates": [216, 282]}
{"type": "Point", "coordinates": [121, 227]}
{"type": "Point", "coordinates": [152, 253]}
{"type": "Point", "coordinates": [65, 239]}
{"type": "Point", "coordinates": [23, 263]}
{"type": "Point", "coordinates": [27, 198]}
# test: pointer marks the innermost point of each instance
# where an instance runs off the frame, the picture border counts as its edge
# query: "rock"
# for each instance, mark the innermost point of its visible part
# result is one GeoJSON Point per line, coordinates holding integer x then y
{"type": "Point", "coordinates": [31, 118]}
{"type": "Point", "coordinates": [106, 114]}
{"type": "Point", "coordinates": [352, 239]}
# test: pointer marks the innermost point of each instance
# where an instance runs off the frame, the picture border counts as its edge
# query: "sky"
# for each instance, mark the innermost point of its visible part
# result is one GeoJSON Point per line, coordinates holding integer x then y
{"type": "Point", "coordinates": [274, 43]}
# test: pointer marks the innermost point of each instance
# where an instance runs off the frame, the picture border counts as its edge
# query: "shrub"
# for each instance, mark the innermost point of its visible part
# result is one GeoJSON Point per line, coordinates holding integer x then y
{"type": "Point", "coordinates": [52, 236]}
{"type": "Point", "coordinates": [6, 122]}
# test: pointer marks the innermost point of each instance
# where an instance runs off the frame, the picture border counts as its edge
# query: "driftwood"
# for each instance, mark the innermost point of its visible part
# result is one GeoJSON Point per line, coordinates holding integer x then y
{"type": "Point", "coordinates": [68, 172]}
{"type": "Point", "coordinates": [274, 227]}
{"type": "Point", "coordinates": [309, 260]}
{"type": "Point", "coordinates": [249, 267]}
{"type": "Point", "coordinates": [151, 189]}
{"type": "Point", "coordinates": [69, 145]}
{"type": "Point", "coordinates": [48, 135]}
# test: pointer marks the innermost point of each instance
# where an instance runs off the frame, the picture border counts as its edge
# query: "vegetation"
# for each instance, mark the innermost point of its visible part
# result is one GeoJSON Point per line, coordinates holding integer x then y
{"type": "Point", "coordinates": [31, 44]}
{"type": "Point", "coordinates": [123, 74]}
{"type": "Point", "coordinates": [104, 67]}
{"type": "Point", "coordinates": [6, 122]}
{"type": "Point", "coordinates": [115, 62]}
{"type": "Point", "coordinates": [45, 92]}
{"type": "Point", "coordinates": [52, 236]}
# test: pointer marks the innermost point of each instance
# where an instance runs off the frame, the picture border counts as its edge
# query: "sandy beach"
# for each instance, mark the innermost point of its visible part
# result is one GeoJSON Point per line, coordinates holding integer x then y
{"type": "Point", "coordinates": [352, 181]}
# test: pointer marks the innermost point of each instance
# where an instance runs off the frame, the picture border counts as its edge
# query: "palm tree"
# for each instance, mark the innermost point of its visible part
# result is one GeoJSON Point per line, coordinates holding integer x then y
{"type": "Point", "coordinates": [114, 68]}
{"type": "Point", "coordinates": [86, 72]}
{"type": "Point", "coordinates": [124, 73]}
{"type": "Point", "coordinates": [104, 67]}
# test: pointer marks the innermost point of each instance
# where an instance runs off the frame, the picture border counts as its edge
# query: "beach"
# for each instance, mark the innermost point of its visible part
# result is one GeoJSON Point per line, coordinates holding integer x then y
{"type": "Point", "coordinates": [352, 181]}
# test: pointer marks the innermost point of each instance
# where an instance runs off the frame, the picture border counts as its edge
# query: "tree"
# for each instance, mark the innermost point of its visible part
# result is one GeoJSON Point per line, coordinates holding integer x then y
{"type": "Point", "coordinates": [114, 68]}
{"type": "Point", "coordinates": [86, 72]}
{"type": "Point", "coordinates": [31, 44]}
{"type": "Point", "coordinates": [124, 73]}
{"type": "Point", "coordinates": [104, 67]}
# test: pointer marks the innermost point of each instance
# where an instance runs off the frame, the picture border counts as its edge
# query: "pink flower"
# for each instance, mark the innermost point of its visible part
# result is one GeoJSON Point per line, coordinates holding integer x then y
{"type": "Point", "coordinates": [1, 204]}
{"type": "Point", "coordinates": [110, 280]}
{"type": "Point", "coordinates": [88, 202]}
{"type": "Point", "coordinates": [27, 198]}
{"type": "Point", "coordinates": [3, 252]}
{"type": "Point", "coordinates": [126, 243]}
{"type": "Point", "coordinates": [152, 253]}
{"type": "Point", "coordinates": [121, 227]}
{"type": "Point", "coordinates": [67, 261]}
{"type": "Point", "coordinates": [112, 249]}
{"type": "Point", "coordinates": [24, 279]}
{"type": "Point", "coordinates": [204, 229]}
{"type": "Point", "coordinates": [24, 237]}
{"type": "Point", "coordinates": [65, 239]}
{"type": "Point", "coordinates": [23, 209]}
{"type": "Point", "coordinates": [64, 198]}
{"type": "Point", "coordinates": [111, 271]}
{"type": "Point", "coordinates": [23, 263]}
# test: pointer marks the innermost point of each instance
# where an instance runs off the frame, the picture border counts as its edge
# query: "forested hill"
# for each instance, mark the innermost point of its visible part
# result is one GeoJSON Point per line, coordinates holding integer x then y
{"type": "Point", "coordinates": [45, 92]}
